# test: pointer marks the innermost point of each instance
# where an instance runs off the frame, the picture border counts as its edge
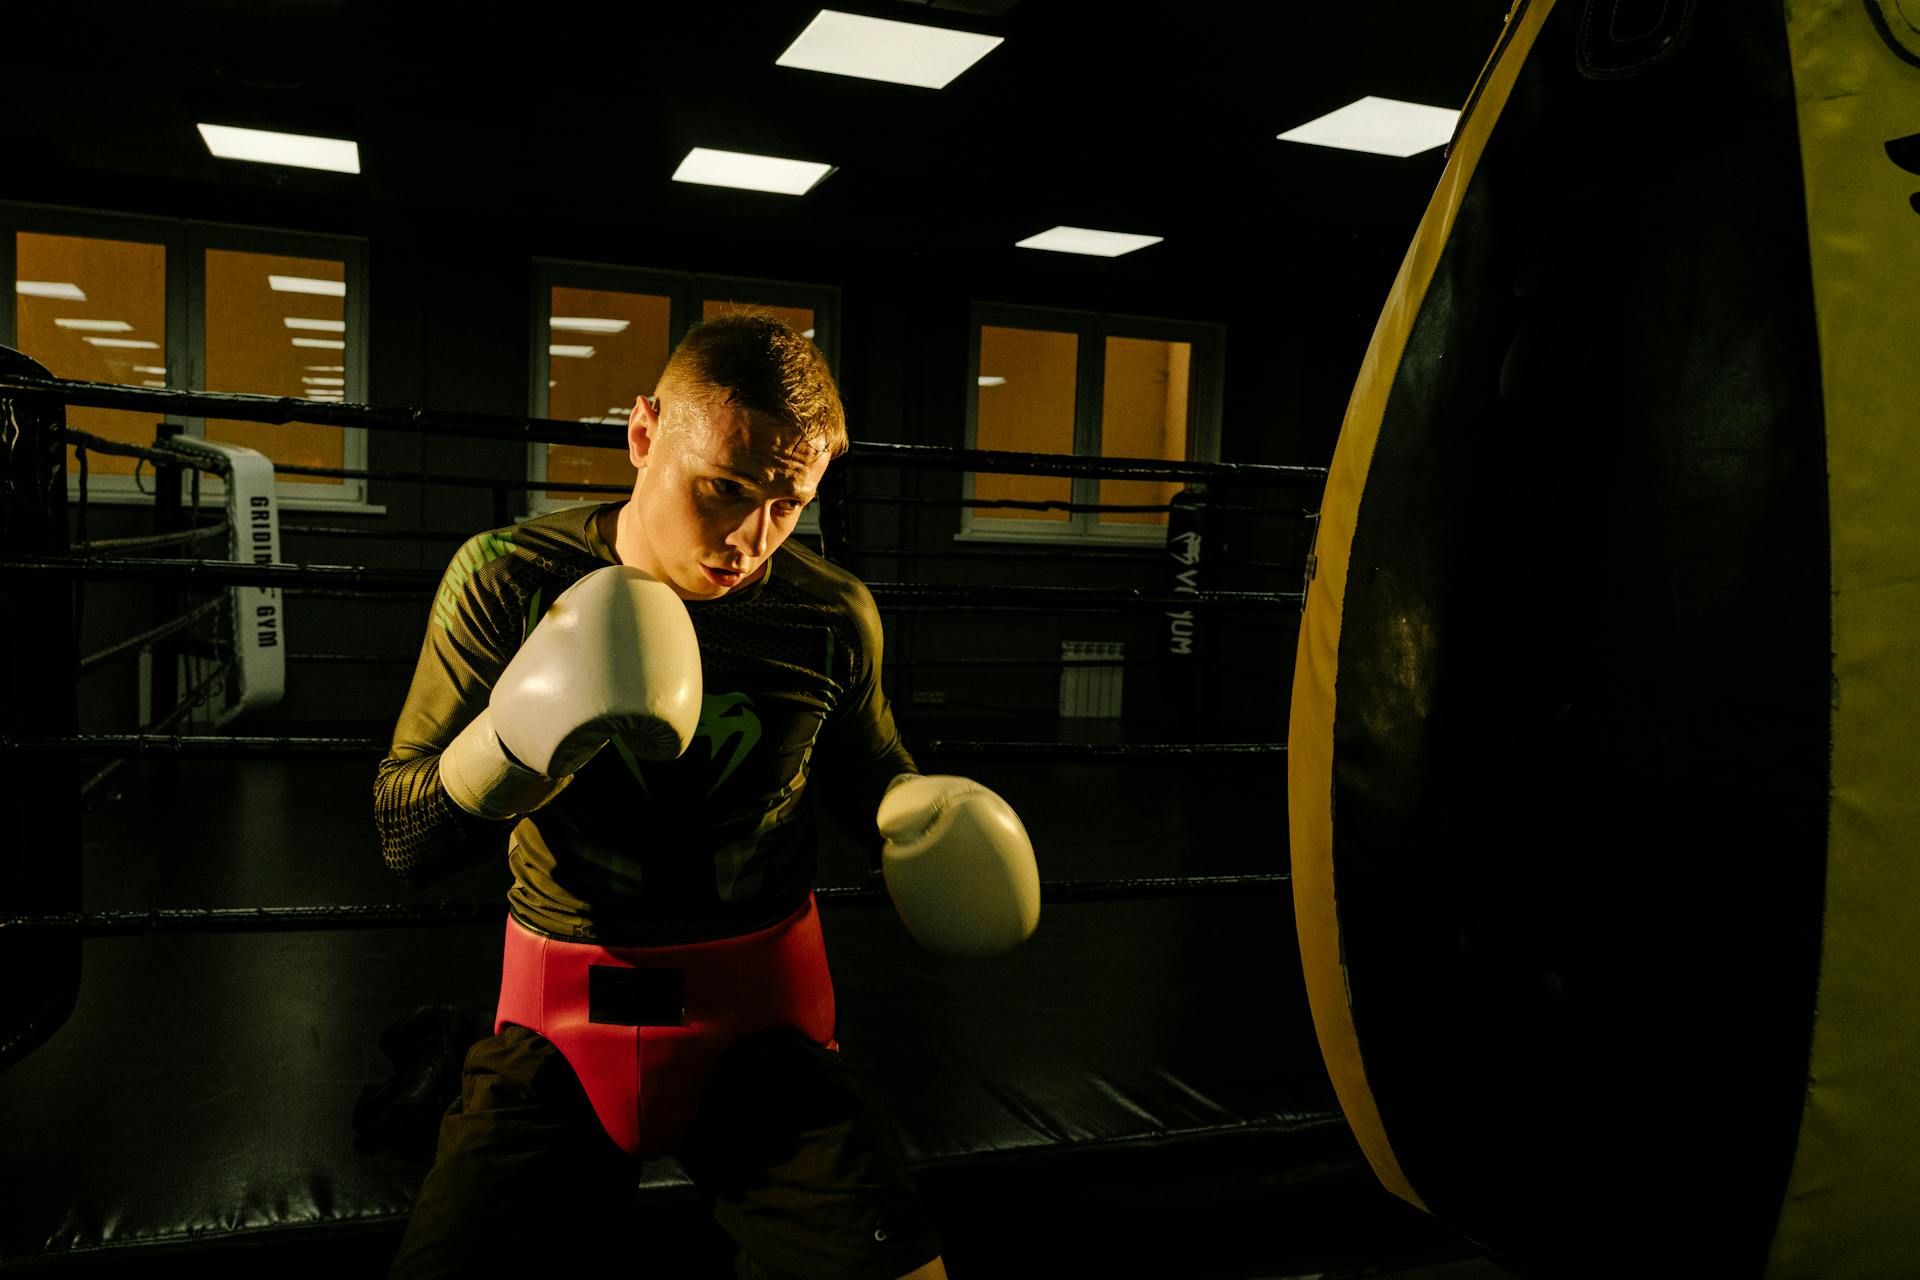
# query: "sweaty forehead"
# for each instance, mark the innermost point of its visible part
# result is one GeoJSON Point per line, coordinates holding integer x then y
{"type": "Point", "coordinates": [756, 447]}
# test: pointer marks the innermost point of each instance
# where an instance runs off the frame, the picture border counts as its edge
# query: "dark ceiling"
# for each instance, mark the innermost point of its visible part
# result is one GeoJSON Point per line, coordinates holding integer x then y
{"type": "Point", "coordinates": [1155, 119]}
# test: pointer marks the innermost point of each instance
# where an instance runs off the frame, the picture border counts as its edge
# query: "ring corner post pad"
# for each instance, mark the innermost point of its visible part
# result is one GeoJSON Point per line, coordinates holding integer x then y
{"type": "Point", "coordinates": [253, 537]}
{"type": "Point", "coordinates": [42, 876]}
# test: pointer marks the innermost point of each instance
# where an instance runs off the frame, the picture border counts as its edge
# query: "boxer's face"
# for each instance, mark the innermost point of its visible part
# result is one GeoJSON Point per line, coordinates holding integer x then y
{"type": "Point", "coordinates": [719, 489]}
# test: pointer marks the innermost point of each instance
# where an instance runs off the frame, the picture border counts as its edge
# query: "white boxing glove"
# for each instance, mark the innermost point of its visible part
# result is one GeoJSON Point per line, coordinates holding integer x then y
{"type": "Point", "coordinates": [958, 865]}
{"type": "Point", "coordinates": [615, 653]}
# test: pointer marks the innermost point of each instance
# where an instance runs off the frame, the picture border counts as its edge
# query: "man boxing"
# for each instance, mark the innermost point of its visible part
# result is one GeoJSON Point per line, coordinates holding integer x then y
{"type": "Point", "coordinates": [638, 696]}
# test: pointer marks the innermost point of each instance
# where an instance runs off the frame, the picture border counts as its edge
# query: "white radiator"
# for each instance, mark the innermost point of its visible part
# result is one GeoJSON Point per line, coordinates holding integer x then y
{"type": "Point", "coordinates": [1087, 690]}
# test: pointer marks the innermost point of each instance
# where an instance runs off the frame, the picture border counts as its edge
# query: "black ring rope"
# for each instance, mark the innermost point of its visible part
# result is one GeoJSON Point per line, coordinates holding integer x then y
{"type": "Point", "coordinates": [1248, 509]}
{"type": "Point", "coordinates": [893, 664]}
{"type": "Point", "coordinates": [967, 664]}
{"type": "Point", "coordinates": [1000, 462]}
{"type": "Point", "coordinates": [159, 739]}
{"type": "Point", "coordinates": [159, 742]}
{"type": "Point", "coordinates": [456, 482]}
{"type": "Point", "coordinates": [86, 441]}
{"type": "Point", "coordinates": [395, 535]}
{"type": "Point", "coordinates": [208, 746]}
{"type": "Point", "coordinates": [214, 574]}
{"type": "Point", "coordinates": [196, 920]}
{"type": "Point", "coordinates": [1008, 504]}
{"type": "Point", "coordinates": [355, 582]}
{"type": "Point", "coordinates": [375, 659]}
{"type": "Point", "coordinates": [147, 540]}
{"type": "Point", "coordinates": [900, 596]}
{"type": "Point", "coordinates": [185, 707]}
{"type": "Point", "coordinates": [94, 661]}
{"type": "Point", "coordinates": [1114, 752]}
{"type": "Point", "coordinates": [192, 699]}
{"type": "Point", "coordinates": [1123, 552]}
{"type": "Point", "coordinates": [285, 409]}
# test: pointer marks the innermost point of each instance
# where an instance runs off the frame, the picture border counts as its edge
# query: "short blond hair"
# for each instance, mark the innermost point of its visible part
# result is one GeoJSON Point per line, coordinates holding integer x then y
{"type": "Point", "coordinates": [755, 360]}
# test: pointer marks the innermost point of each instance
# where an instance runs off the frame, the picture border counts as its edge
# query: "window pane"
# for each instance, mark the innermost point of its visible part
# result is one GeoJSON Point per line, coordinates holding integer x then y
{"type": "Point", "coordinates": [277, 326]}
{"type": "Point", "coordinates": [1143, 414]}
{"type": "Point", "coordinates": [607, 347]}
{"type": "Point", "coordinates": [800, 318]}
{"type": "Point", "coordinates": [1026, 406]}
{"type": "Point", "coordinates": [115, 330]}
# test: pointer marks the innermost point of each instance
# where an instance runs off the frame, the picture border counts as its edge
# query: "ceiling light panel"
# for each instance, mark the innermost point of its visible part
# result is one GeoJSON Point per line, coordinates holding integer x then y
{"type": "Point", "coordinates": [1382, 126]}
{"type": "Point", "coordinates": [749, 172]}
{"type": "Point", "coordinates": [95, 326]}
{"type": "Point", "coordinates": [847, 44]}
{"type": "Point", "coordinates": [49, 289]}
{"type": "Point", "coordinates": [306, 284]}
{"type": "Point", "coordinates": [296, 150]}
{"type": "Point", "coordinates": [1101, 244]}
{"type": "Point", "coordinates": [587, 324]}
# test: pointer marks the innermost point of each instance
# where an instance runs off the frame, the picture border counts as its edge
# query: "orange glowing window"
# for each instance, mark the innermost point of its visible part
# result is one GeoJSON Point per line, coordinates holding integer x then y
{"type": "Point", "coordinates": [277, 325]}
{"type": "Point", "coordinates": [1143, 414]}
{"type": "Point", "coordinates": [604, 348]}
{"type": "Point", "coordinates": [1027, 405]}
{"type": "Point", "coordinates": [96, 310]}
{"type": "Point", "coordinates": [1091, 386]}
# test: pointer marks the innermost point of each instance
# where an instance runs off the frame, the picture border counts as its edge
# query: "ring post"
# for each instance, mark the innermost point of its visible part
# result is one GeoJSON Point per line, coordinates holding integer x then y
{"type": "Point", "coordinates": [42, 872]}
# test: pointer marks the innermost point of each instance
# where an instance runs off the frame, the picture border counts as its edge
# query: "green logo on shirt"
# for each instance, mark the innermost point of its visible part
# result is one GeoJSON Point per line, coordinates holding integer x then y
{"type": "Point", "coordinates": [729, 723]}
{"type": "Point", "coordinates": [731, 728]}
{"type": "Point", "coordinates": [482, 548]}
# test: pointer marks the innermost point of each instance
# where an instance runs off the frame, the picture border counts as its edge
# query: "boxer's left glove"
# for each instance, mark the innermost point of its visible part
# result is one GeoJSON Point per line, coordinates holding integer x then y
{"type": "Point", "coordinates": [958, 866]}
{"type": "Point", "coordinates": [615, 653]}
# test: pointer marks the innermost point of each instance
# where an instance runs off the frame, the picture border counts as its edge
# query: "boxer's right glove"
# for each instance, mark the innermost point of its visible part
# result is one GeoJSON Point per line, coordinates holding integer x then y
{"type": "Point", "coordinates": [615, 653]}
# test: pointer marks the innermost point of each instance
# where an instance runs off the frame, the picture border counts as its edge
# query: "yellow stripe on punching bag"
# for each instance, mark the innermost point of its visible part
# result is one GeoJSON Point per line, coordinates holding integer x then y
{"type": "Point", "coordinates": [1853, 1202]}
{"type": "Point", "coordinates": [1310, 727]}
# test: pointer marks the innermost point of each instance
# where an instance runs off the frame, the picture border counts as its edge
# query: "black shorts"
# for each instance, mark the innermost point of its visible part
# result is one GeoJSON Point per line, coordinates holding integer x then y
{"type": "Point", "coordinates": [802, 1171]}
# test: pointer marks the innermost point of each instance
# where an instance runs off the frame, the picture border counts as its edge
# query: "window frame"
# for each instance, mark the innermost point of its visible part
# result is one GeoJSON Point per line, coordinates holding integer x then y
{"type": "Point", "coordinates": [1205, 387]}
{"type": "Point", "coordinates": [186, 241]}
{"type": "Point", "coordinates": [686, 293]}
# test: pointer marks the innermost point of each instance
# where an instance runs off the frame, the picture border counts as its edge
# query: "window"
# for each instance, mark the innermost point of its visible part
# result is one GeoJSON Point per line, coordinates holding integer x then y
{"type": "Point", "coordinates": [602, 335]}
{"type": "Point", "coordinates": [1093, 386]}
{"type": "Point", "coordinates": [95, 309]}
{"type": "Point", "coordinates": [194, 306]}
{"type": "Point", "coordinates": [276, 324]}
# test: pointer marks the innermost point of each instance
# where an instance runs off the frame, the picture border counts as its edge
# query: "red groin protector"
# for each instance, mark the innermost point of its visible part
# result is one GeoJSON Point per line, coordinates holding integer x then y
{"type": "Point", "coordinates": [643, 1026]}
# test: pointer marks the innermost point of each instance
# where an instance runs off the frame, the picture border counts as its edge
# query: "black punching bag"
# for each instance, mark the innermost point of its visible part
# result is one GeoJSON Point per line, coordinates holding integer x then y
{"type": "Point", "coordinates": [1605, 747]}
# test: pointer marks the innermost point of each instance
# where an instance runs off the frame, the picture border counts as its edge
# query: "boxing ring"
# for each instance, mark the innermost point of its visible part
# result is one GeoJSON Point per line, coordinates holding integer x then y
{"type": "Point", "coordinates": [265, 1023]}
{"type": "Point", "coordinates": [1597, 830]}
